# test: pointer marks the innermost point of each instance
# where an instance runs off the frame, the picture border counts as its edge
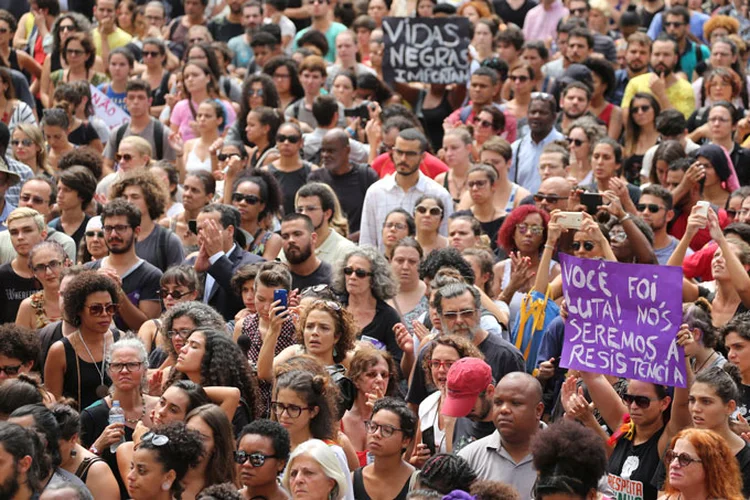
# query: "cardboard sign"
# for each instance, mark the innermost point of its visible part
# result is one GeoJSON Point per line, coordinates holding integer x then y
{"type": "Point", "coordinates": [623, 320]}
{"type": "Point", "coordinates": [105, 108]}
{"type": "Point", "coordinates": [426, 50]}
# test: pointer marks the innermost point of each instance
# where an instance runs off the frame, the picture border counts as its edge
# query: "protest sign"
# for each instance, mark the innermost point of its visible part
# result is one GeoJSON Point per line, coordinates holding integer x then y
{"type": "Point", "coordinates": [105, 108]}
{"type": "Point", "coordinates": [426, 50]}
{"type": "Point", "coordinates": [623, 320]}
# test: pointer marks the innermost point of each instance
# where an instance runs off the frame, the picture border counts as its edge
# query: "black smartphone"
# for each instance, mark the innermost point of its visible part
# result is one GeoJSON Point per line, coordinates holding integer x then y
{"type": "Point", "coordinates": [193, 226]}
{"type": "Point", "coordinates": [592, 202]}
{"type": "Point", "coordinates": [428, 439]}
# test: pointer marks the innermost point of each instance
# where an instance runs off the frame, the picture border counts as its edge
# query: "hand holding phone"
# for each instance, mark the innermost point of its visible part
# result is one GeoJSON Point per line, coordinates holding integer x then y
{"type": "Point", "coordinates": [282, 296]}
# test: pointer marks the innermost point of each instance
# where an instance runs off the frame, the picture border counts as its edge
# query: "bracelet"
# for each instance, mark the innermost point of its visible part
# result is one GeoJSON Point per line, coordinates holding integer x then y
{"type": "Point", "coordinates": [628, 216]}
{"type": "Point", "coordinates": [94, 450]}
{"type": "Point", "coordinates": [551, 247]}
{"type": "Point", "coordinates": [351, 131]}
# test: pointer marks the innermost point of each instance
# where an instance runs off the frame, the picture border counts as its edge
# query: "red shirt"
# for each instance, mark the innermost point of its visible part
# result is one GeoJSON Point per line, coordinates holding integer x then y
{"type": "Point", "coordinates": [698, 265]}
{"type": "Point", "coordinates": [431, 166]}
{"type": "Point", "coordinates": [703, 236]}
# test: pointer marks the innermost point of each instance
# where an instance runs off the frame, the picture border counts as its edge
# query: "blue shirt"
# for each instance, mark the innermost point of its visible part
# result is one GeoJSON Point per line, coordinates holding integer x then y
{"type": "Point", "coordinates": [243, 54]}
{"type": "Point", "coordinates": [524, 169]}
{"type": "Point", "coordinates": [697, 20]}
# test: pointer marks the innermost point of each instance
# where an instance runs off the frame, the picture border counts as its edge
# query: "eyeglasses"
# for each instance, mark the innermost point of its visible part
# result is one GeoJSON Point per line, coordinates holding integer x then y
{"type": "Point", "coordinates": [293, 411]}
{"type": "Point", "coordinates": [292, 139]}
{"type": "Point", "coordinates": [360, 273]}
{"type": "Point", "coordinates": [154, 18]}
{"type": "Point", "coordinates": [731, 213]}
{"type": "Point", "coordinates": [256, 459]}
{"type": "Point", "coordinates": [10, 370]}
{"type": "Point", "coordinates": [484, 123]}
{"type": "Point", "coordinates": [673, 24]}
{"type": "Point", "coordinates": [149, 53]}
{"type": "Point", "coordinates": [640, 401]}
{"type": "Point", "coordinates": [577, 142]}
{"type": "Point", "coordinates": [250, 199]}
{"type": "Point", "coordinates": [408, 154]}
{"type": "Point", "coordinates": [155, 439]}
{"type": "Point", "coordinates": [130, 367]}
{"type": "Point", "coordinates": [617, 236]}
{"type": "Point", "coordinates": [395, 225]}
{"type": "Point", "coordinates": [434, 211]}
{"type": "Point", "coordinates": [26, 198]}
{"type": "Point", "coordinates": [385, 430]}
{"type": "Point", "coordinates": [436, 364]}
{"type": "Point", "coordinates": [652, 207]}
{"type": "Point", "coordinates": [67, 27]}
{"type": "Point", "coordinates": [641, 109]}
{"type": "Point", "coordinates": [533, 229]}
{"type": "Point", "coordinates": [226, 156]}
{"type": "Point", "coordinates": [118, 228]}
{"type": "Point", "coordinates": [98, 234]}
{"type": "Point", "coordinates": [682, 458]}
{"type": "Point", "coordinates": [183, 334]}
{"type": "Point", "coordinates": [519, 78]}
{"type": "Point", "coordinates": [478, 184]}
{"type": "Point", "coordinates": [102, 309]}
{"type": "Point", "coordinates": [328, 303]}
{"type": "Point", "coordinates": [549, 198]}
{"type": "Point", "coordinates": [27, 143]}
{"type": "Point", "coordinates": [454, 315]}
{"type": "Point", "coordinates": [52, 265]}
{"type": "Point", "coordinates": [176, 294]}
{"type": "Point", "coordinates": [587, 245]}
{"type": "Point", "coordinates": [75, 52]}
{"type": "Point", "coordinates": [126, 157]}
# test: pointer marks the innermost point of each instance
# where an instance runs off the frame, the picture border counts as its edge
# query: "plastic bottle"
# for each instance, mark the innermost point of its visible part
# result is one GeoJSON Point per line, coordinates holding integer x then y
{"type": "Point", "coordinates": [116, 416]}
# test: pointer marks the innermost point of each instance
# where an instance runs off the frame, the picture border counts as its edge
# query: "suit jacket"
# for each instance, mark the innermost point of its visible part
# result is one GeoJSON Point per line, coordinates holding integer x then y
{"type": "Point", "coordinates": [221, 296]}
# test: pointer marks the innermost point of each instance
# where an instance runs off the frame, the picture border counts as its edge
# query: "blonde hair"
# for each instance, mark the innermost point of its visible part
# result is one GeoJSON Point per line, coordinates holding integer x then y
{"type": "Point", "coordinates": [140, 144]}
{"type": "Point", "coordinates": [34, 133]}
{"type": "Point", "coordinates": [602, 6]}
{"type": "Point", "coordinates": [25, 213]}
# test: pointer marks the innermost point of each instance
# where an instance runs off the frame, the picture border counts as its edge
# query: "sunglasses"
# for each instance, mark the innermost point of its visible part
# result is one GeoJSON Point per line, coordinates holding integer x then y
{"type": "Point", "coordinates": [577, 142]}
{"type": "Point", "coordinates": [226, 156]}
{"type": "Point", "coordinates": [335, 306]}
{"type": "Point", "coordinates": [652, 207]}
{"type": "Point", "coordinates": [575, 12]}
{"type": "Point", "coordinates": [255, 92]}
{"type": "Point", "coordinates": [149, 53]}
{"type": "Point", "coordinates": [520, 78]}
{"type": "Point", "coordinates": [533, 229]}
{"type": "Point", "coordinates": [477, 184]}
{"type": "Point", "coordinates": [454, 315]}
{"type": "Point", "coordinates": [75, 52]}
{"type": "Point", "coordinates": [640, 401]}
{"type": "Point", "coordinates": [126, 157]}
{"type": "Point", "coordinates": [36, 200]}
{"type": "Point", "coordinates": [484, 123]}
{"type": "Point", "coordinates": [155, 439]}
{"type": "Point", "coordinates": [731, 213]}
{"type": "Point", "coordinates": [641, 109]}
{"type": "Point", "coordinates": [587, 245]}
{"type": "Point", "coordinates": [673, 24]}
{"type": "Point", "coordinates": [176, 294]}
{"type": "Point", "coordinates": [102, 309]}
{"type": "Point", "coordinates": [52, 265]}
{"type": "Point", "coordinates": [291, 139]}
{"type": "Point", "coordinates": [314, 289]}
{"type": "Point", "coordinates": [250, 199]}
{"type": "Point", "coordinates": [98, 234]}
{"type": "Point", "coordinates": [67, 27]}
{"type": "Point", "coordinates": [360, 273]}
{"type": "Point", "coordinates": [682, 458]}
{"type": "Point", "coordinates": [256, 459]}
{"type": "Point", "coordinates": [549, 198]}
{"type": "Point", "coordinates": [27, 143]}
{"type": "Point", "coordinates": [434, 211]}
{"type": "Point", "coordinates": [10, 370]}
{"type": "Point", "coordinates": [617, 236]}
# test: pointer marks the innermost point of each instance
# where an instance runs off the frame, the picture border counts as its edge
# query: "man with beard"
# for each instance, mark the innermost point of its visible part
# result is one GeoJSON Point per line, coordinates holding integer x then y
{"type": "Point", "coordinates": [637, 56]}
{"type": "Point", "coordinates": [402, 189]}
{"type": "Point", "coordinates": [240, 45]}
{"type": "Point", "coordinates": [298, 235]}
{"type": "Point", "coordinates": [220, 255]}
{"type": "Point", "coordinates": [137, 280]}
{"type": "Point", "coordinates": [671, 92]}
{"type": "Point", "coordinates": [349, 180]}
{"type": "Point", "coordinates": [322, 21]}
{"type": "Point", "coordinates": [527, 150]}
{"type": "Point", "coordinates": [655, 208]}
{"type": "Point", "coordinates": [228, 26]}
{"type": "Point", "coordinates": [574, 101]}
{"type": "Point", "coordinates": [18, 473]}
{"type": "Point", "coordinates": [677, 25]}
{"type": "Point", "coordinates": [601, 44]}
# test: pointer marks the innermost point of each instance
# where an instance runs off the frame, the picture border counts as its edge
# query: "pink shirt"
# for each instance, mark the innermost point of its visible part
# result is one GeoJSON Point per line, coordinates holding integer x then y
{"type": "Point", "coordinates": [541, 24]}
{"type": "Point", "coordinates": [182, 116]}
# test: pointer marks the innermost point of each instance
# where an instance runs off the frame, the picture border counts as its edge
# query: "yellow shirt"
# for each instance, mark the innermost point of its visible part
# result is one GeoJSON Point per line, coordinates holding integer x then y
{"type": "Point", "coordinates": [118, 38]}
{"type": "Point", "coordinates": [680, 94]}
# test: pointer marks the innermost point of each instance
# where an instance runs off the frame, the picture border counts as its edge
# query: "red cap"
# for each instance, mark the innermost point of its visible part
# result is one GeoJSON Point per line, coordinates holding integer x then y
{"type": "Point", "coordinates": [467, 379]}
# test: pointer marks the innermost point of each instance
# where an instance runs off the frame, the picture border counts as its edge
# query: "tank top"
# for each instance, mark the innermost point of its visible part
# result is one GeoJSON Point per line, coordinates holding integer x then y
{"type": "Point", "coordinates": [194, 164]}
{"type": "Point", "coordinates": [606, 113]}
{"type": "Point", "coordinates": [360, 493]}
{"type": "Point", "coordinates": [432, 118]}
{"type": "Point", "coordinates": [445, 185]}
{"type": "Point", "coordinates": [632, 468]}
{"type": "Point", "coordinates": [158, 94]}
{"type": "Point", "coordinates": [83, 470]}
{"type": "Point", "coordinates": [89, 376]}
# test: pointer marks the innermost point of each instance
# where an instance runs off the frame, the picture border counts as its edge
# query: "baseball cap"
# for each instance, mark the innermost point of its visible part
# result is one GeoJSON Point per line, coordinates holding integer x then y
{"type": "Point", "coordinates": [467, 379]}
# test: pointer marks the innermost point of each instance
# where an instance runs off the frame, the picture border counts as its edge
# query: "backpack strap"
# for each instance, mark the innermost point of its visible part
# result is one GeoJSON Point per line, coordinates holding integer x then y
{"type": "Point", "coordinates": [159, 139]}
{"type": "Point", "coordinates": [161, 250]}
{"type": "Point", "coordinates": [119, 135]}
{"type": "Point", "coordinates": [465, 113]}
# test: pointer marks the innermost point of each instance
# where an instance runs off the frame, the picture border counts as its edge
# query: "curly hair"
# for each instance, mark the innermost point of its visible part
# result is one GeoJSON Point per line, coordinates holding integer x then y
{"type": "Point", "coordinates": [154, 192]}
{"type": "Point", "coordinates": [345, 327]}
{"type": "Point", "coordinates": [729, 23]}
{"type": "Point", "coordinates": [382, 283]}
{"type": "Point", "coordinates": [569, 458]}
{"type": "Point", "coordinates": [367, 356]}
{"type": "Point", "coordinates": [445, 472]}
{"type": "Point", "coordinates": [591, 127]}
{"type": "Point", "coordinates": [85, 157]}
{"type": "Point", "coordinates": [493, 490]}
{"type": "Point", "coordinates": [19, 343]}
{"type": "Point", "coordinates": [272, 430]}
{"type": "Point", "coordinates": [505, 237]}
{"type": "Point", "coordinates": [182, 451]}
{"type": "Point", "coordinates": [722, 471]}
{"type": "Point", "coordinates": [220, 467]}
{"type": "Point", "coordinates": [407, 418]}
{"type": "Point", "coordinates": [295, 87]}
{"type": "Point", "coordinates": [202, 316]}
{"type": "Point", "coordinates": [316, 390]}
{"type": "Point", "coordinates": [464, 348]}
{"type": "Point", "coordinates": [242, 275]}
{"type": "Point", "coordinates": [78, 290]}
{"type": "Point", "coordinates": [223, 491]}
{"type": "Point", "coordinates": [446, 257]}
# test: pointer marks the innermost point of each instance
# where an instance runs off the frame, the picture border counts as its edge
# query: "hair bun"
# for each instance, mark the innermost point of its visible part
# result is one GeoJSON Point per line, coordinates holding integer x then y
{"type": "Point", "coordinates": [734, 372]}
{"type": "Point", "coordinates": [704, 304]}
{"type": "Point", "coordinates": [319, 384]}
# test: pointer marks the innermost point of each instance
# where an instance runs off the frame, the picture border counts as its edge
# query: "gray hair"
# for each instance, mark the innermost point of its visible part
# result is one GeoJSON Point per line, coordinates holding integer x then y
{"type": "Point", "coordinates": [326, 458]}
{"type": "Point", "coordinates": [204, 316]}
{"type": "Point", "coordinates": [76, 492]}
{"type": "Point", "coordinates": [383, 286]}
{"type": "Point", "coordinates": [130, 342]}
{"type": "Point", "coordinates": [453, 290]}
{"type": "Point", "coordinates": [592, 128]}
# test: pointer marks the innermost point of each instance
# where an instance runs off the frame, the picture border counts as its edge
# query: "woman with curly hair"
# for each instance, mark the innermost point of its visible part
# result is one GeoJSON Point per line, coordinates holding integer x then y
{"type": "Point", "coordinates": [210, 358]}
{"type": "Point", "coordinates": [364, 279]}
{"type": "Point", "coordinates": [161, 461]}
{"type": "Point", "coordinates": [262, 453]}
{"type": "Point", "coordinates": [720, 26]}
{"type": "Point", "coordinates": [217, 463]}
{"type": "Point", "coordinates": [257, 90]}
{"type": "Point", "coordinates": [46, 260]}
{"type": "Point", "coordinates": [522, 236]}
{"type": "Point", "coordinates": [446, 472]}
{"type": "Point", "coordinates": [257, 196]}
{"type": "Point", "coordinates": [640, 133]}
{"type": "Point", "coordinates": [75, 366]}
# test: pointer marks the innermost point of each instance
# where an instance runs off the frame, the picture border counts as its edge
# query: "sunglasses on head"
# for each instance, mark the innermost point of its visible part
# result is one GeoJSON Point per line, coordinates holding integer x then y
{"type": "Point", "coordinates": [434, 211]}
{"type": "Point", "coordinates": [640, 401]}
{"type": "Point", "coordinates": [291, 139]}
{"type": "Point", "coordinates": [360, 273]}
{"type": "Point", "coordinates": [176, 294]}
{"type": "Point", "coordinates": [250, 199]}
{"type": "Point", "coordinates": [227, 156]}
{"type": "Point", "coordinates": [256, 459]}
{"type": "Point", "coordinates": [587, 245]}
{"type": "Point", "coordinates": [102, 309]}
{"type": "Point", "coordinates": [577, 142]}
{"type": "Point", "coordinates": [157, 440]}
{"type": "Point", "coordinates": [652, 207]}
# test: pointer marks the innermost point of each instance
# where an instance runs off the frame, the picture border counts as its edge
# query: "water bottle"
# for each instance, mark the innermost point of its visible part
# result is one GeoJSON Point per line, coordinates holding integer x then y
{"type": "Point", "coordinates": [116, 416]}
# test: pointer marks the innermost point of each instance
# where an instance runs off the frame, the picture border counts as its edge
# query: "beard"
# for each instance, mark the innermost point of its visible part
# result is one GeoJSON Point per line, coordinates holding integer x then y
{"type": "Point", "coordinates": [122, 249]}
{"type": "Point", "coordinates": [10, 486]}
{"type": "Point", "coordinates": [300, 255]}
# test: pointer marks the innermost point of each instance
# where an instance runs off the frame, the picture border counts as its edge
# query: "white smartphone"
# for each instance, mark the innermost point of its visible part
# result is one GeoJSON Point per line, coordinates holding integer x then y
{"type": "Point", "coordinates": [703, 208]}
{"type": "Point", "coordinates": [570, 220]}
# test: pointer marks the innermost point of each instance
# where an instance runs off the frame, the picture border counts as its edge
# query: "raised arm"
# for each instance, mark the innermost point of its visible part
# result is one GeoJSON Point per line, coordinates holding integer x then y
{"type": "Point", "coordinates": [737, 271]}
{"type": "Point", "coordinates": [606, 399]}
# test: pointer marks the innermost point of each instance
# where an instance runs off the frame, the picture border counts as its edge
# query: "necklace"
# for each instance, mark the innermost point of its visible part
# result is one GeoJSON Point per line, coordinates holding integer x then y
{"type": "Point", "coordinates": [102, 389]}
{"type": "Point", "coordinates": [706, 361]}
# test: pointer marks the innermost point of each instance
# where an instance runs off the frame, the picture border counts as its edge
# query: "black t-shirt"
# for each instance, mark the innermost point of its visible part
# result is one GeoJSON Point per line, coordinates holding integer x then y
{"type": "Point", "coordinates": [647, 17]}
{"type": "Point", "coordinates": [322, 275]}
{"type": "Point", "coordinates": [381, 328]}
{"type": "Point", "coordinates": [77, 234]}
{"type": "Point", "coordinates": [509, 15]}
{"type": "Point", "coordinates": [15, 289]}
{"type": "Point", "coordinates": [632, 468]}
{"type": "Point", "coordinates": [223, 30]}
{"type": "Point", "coordinates": [350, 189]}
{"type": "Point", "coordinates": [83, 135]}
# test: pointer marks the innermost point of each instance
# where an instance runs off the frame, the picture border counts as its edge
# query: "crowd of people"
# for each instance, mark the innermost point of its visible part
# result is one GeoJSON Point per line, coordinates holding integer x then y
{"type": "Point", "coordinates": [237, 261]}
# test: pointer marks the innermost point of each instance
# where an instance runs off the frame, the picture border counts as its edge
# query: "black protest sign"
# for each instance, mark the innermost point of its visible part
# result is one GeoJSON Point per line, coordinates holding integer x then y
{"type": "Point", "coordinates": [426, 50]}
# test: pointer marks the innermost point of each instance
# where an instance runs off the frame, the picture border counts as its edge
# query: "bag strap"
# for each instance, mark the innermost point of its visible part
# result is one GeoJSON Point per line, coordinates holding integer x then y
{"type": "Point", "coordinates": [159, 139]}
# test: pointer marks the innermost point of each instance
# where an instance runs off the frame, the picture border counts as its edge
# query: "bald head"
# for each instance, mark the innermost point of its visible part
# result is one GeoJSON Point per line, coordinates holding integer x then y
{"type": "Point", "coordinates": [553, 194]}
{"type": "Point", "coordinates": [334, 151]}
{"type": "Point", "coordinates": [524, 383]}
{"type": "Point", "coordinates": [337, 135]}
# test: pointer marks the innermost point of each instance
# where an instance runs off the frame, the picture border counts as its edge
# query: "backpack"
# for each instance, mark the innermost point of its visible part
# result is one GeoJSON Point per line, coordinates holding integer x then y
{"type": "Point", "coordinates": [465, 114]}
{"type": "Point", "coordinates": [158, 138]}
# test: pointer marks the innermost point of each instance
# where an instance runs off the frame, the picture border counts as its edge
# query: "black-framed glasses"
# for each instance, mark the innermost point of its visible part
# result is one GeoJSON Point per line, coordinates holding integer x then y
{"type": "Point", "coordinates": [640, 401]}
{"type": "Point", "coordinates": [98, 234]}
{"type": "Point", "coordinates": [75, 52]}
{"type": "Point", "coordinates": [227, 156]}
{"type": "Point", "coordinates": [434, 211]}
{"type": "Point", "coordinates": [651, 207]}
{"type": "Point", "coordinates": [52, 265]}
{"type": "Point", "coordinates": [130, 367]}
{"type": "Point", "coordinates": [549, 198]}
{"type": "Point", "coordinates": [385, 430]}
{"type": "Point", "coordinates": [359, 273]}
{"type": "Point", "coordinates": [256, 459]}
{"type": "Point", "coordinates": [641, 109]}
{"type": "Point", "coordinates": [587, 245]}
{"type": "Point", "coordinates": [682, 458]}
{"type": "Point", "coordinates": [10, 371]}
{"type": "Point", "coordinates": [294, 411]}
{"type": "Point", "coordinates": [117, 228]}
{"type": "Point", "coordinates": [27, 143]}
{"type": "Point", "coordinates": [150, 53]}
{"type": "Point", "coordinates": [577, 142]}
{"type": "Point", "coordinates": [291, 139]}
{"type": "Point", "coordinates": [157, 440]}
{"type": "Point", "coordinates": [250, 199]}
{"type": "Point", "coordinates": [102, 309]}
{"type": "Point", "coordinates": [67, 27]}
{"type": "Point", "coordinates": [183, 334]}
{"type": "Point", "coordinates": [176, 294]}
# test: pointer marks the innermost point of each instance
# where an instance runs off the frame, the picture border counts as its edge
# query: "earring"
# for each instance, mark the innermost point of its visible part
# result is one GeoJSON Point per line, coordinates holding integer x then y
{"type": "Point", "coordinates": [73, 453]}
{"type": "Point", "coordinates": [166, 485]}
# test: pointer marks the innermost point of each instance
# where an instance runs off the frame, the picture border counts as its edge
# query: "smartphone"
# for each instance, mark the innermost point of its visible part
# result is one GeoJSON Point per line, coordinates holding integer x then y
{"type": "Point", "coordinates": [703, 208]}
{"type": "Point", "coordinates": [193, 226]}
{"type": "Point", "coordinates": [592, 201]}
{"type": "Point", "coordinates": [570, 220]}
{"type": "Point", "coordinates": [428, 439]}
{"type": "Point", "coordinates": [282, 295]}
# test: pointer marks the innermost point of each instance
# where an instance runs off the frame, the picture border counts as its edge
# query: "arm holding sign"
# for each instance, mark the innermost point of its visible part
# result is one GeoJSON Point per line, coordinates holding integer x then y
{"type": "Point", "coordinates": [642, 249]}
{"type": "Point", "coordinates": [679, 417]}
{"type": "Point", "coordinates": [554, 231]}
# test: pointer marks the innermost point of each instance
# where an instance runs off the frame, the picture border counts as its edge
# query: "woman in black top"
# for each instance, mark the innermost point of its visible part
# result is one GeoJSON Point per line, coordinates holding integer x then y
{"type": "Point", "coordinates": [156, 74]}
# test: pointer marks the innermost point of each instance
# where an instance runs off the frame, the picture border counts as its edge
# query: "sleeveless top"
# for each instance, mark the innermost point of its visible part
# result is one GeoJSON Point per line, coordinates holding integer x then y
{"type": "Point", "coordinates": [360, 493]}
{"type": "Point", "coordinates": [193, 163]}
{"type": "Point", "coordinates": [445, 185]}
{"type": "Point", "coordinates": [85, 381]}
{"type": "Point", "coordinates": [40, 317]}
{"type": "Point", "coordinates": [606, 113]}
{"type": "Point", "coordinates": [408, 316]}
{"type": "Point", "coordinates": [83, 135]}
{"type": "Point", "coordinates": [259, 247]}
{"type": "Point", "coordinates": [158, 94]}
{"type": "Point", "coordinates": [432, 118]}
{"type": "Point", "coordinates": [83, 470]}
